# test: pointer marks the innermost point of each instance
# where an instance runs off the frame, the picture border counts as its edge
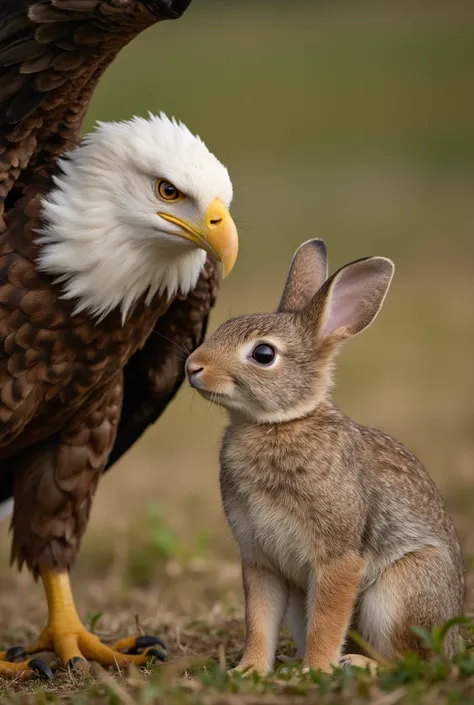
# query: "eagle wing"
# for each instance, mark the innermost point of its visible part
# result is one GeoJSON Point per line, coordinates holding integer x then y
{"type": "Point", "coordinates": [52, 53]}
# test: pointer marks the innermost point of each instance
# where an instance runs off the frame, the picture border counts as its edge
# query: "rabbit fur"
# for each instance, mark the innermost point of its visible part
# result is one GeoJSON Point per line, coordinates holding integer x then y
{"type": "Point", "coordinates": [339, 526]}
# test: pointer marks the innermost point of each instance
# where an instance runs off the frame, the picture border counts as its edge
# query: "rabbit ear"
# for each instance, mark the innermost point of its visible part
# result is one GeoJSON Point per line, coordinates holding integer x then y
{"type": "Point", "coordinates": [307, 274]}
{"type": "Point", "coordinates": [352, 298]}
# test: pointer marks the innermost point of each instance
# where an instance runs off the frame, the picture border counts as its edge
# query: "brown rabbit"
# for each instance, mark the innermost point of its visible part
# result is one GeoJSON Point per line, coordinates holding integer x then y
{"type": "Point", "coordinates": [339, 526]}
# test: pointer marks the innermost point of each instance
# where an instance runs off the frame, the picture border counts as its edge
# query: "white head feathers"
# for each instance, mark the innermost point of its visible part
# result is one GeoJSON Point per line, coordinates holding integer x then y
{"type": "Point", "coordinates": [102, 236]}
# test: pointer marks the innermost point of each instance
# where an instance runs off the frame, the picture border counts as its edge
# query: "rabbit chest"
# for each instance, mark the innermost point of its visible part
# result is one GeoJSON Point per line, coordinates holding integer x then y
{"type": "Point", "coordinates": [282, 511]}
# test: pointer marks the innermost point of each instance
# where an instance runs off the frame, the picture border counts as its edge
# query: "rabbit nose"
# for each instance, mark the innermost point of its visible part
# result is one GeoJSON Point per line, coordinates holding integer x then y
{"type": "Point", "coordinates": [193, 370]}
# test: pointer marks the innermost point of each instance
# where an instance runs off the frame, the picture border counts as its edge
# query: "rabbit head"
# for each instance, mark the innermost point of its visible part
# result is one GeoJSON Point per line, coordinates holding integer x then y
{"type": "Point", "coordinates": [275, 367]}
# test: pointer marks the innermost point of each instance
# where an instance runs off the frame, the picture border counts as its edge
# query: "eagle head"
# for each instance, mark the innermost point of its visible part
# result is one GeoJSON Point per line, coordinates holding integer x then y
{"type": "Point", "coordinates": [134, 211]}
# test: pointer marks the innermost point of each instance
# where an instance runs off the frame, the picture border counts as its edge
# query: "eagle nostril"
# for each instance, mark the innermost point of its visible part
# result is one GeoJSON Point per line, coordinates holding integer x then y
{"type": "Point", "coordinates": [216, 221]}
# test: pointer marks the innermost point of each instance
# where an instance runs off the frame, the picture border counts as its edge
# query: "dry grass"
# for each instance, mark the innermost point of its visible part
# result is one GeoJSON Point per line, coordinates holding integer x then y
{"type": "Point", "coordinates": [355, 127]}
{"type": "Point", "coordinates": [200, 615]}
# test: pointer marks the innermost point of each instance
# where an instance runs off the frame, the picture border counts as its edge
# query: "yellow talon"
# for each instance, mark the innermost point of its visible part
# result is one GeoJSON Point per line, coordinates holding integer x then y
{"type": "Point", "coordinates": [66, 636]}
{"type": "Point", "coordinates": [25, 670]}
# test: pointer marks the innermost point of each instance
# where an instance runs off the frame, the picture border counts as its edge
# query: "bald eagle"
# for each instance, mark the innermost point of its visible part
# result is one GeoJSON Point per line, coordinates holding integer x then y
{"type": "Point", "coordinates": [108, 250]}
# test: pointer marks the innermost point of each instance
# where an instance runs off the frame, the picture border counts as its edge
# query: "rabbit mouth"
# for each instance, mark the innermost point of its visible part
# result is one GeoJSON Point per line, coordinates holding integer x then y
{"type": "Point", "coordinates": [220, 398]}
{"type": "Point", "coordinates": [216, 397]}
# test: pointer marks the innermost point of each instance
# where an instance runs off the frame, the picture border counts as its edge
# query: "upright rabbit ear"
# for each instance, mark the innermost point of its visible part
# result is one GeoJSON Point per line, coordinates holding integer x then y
{"type": "Point", "coordinates": [308, 272]}
{"type": "Point", "coordinates": [352, 297]}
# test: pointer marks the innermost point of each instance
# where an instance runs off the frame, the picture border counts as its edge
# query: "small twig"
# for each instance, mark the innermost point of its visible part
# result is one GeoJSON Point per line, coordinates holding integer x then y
{"type": "Point", "coordinates": [390, 698]}
{"type": "Point", "coordinates": [113, 685]}
{"type": "Point", "coordinates": [140, 629]}
{"type": "Point", "coordinates": [222, 658]}
{"type": "Point", "coordinates": [178, 640]}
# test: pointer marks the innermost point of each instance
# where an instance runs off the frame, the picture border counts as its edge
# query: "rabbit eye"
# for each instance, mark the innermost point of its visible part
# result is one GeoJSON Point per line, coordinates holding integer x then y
{"type": "Point", "coordinates": [263, 354]}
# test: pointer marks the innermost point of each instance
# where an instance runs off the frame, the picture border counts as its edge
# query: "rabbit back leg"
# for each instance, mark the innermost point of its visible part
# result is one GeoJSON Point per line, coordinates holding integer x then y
{"type": "Point", "coordinates": [421, 589]}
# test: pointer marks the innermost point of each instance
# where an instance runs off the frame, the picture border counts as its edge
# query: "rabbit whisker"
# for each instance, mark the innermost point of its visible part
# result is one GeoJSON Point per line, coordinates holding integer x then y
{"type": "Point", "coordinates": [179, 346]}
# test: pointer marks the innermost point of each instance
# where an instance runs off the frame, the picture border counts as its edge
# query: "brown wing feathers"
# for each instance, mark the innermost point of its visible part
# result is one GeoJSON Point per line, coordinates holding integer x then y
{"type": "Point", "coordinates": [55, 482]}
{"type": "Point", "coordinates": [52, 53]}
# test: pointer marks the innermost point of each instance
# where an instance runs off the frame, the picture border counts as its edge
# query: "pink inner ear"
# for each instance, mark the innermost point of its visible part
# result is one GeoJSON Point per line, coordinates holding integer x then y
{"type": "Point", "coordinates": [347, 302]}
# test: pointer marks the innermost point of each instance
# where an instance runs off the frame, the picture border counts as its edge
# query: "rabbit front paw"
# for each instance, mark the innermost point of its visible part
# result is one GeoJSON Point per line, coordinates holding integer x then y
{"type": "Point", "coordinates": [324, 667]}
{"type": "Point", "coordinates": [246, 669]}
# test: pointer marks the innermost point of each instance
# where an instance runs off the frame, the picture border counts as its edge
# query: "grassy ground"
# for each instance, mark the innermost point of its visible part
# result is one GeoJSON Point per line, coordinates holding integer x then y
{"type": "Point", "coordinates": [356, 125]}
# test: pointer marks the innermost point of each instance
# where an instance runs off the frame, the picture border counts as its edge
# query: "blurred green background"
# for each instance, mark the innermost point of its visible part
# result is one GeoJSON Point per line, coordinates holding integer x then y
{"type": "Point", "coordinates": [348, 121]}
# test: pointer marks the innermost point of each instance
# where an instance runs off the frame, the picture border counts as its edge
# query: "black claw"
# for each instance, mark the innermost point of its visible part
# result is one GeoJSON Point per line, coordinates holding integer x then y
{"type": "Point", "coordinates": [41, 668]}
{"type": "Point", "coordinates": [159, 655]}
{"type": "Point", "coordinates": [14, 653]}
{"type": "Point", "coordinates": [144, 642]}
{"type": "Point", "coordinates": [74, 661]}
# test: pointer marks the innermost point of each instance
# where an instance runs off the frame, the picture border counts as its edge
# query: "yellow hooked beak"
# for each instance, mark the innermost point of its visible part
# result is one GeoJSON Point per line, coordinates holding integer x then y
{"type": "Point", "coordinates": [217, 236]}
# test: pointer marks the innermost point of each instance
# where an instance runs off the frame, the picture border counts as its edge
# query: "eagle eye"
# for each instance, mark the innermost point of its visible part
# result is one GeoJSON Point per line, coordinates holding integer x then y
{"type": "Point", "coordinates": [166, 190]}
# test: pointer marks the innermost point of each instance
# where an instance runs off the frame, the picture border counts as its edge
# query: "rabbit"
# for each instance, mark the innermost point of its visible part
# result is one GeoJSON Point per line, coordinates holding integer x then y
{"type": "Point", "coordinates": [339, 526]}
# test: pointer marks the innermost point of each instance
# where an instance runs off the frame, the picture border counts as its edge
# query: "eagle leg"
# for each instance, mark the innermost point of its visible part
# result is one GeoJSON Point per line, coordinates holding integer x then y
{"type": "Point", "coordinates": [69, 640]}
